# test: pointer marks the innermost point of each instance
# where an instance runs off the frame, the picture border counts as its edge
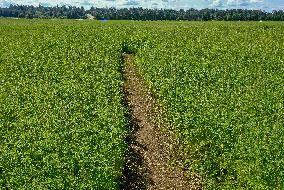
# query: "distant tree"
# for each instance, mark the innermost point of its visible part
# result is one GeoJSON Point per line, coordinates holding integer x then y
{"type": "Point", "coordinates": [71, 12]}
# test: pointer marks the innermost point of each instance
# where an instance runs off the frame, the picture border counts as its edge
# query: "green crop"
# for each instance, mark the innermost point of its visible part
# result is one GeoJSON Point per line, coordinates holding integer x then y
{"type": "Point", "coordinates": [62, 119]}
{"type": "Point", "coordinates": [222, 85]}
{"type": "Point", "coordinates": [62, 123]}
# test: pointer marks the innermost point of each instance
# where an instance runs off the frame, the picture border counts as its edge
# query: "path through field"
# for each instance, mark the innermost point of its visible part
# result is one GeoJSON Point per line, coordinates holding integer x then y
{"type": "Point", "coordinates": [146, 166]}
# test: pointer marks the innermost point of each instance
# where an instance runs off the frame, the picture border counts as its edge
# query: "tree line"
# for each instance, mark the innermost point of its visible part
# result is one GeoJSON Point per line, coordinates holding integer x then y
{"type": "Point", "coordinates": [71, 12]}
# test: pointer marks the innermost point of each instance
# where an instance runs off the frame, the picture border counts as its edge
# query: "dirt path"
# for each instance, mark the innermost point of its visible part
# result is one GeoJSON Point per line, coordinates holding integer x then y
{"type": "Point", "coordinates": [146, 166]}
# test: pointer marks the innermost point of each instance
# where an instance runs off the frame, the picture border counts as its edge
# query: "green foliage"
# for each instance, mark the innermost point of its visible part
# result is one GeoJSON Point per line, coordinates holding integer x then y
{"type": "Point", "coordinates": [62, 124]}
{"type": "Point", "coordinates": [72, 12]}
{"type": "Point", "coordinates": [222, 86]}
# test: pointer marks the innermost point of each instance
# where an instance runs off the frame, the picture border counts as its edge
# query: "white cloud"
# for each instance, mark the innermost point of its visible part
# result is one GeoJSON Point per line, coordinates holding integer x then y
{"type": "Point", "coordinates": [244, 4]}
{"type": "Point", "coordinates": [256, 1]}
{"type": "Point", "coordinates": [217, 3]}
{"type": "Point", "coordinates": [174, 4]}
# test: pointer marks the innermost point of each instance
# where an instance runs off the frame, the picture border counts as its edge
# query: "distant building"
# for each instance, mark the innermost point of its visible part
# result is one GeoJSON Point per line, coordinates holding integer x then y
{"type": "Point", "coordinates": [90, 17]}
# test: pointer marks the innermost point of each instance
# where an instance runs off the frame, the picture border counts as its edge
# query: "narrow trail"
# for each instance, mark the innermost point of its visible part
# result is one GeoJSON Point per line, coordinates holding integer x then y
{"type": "Point", "coordinates": [146, 166]}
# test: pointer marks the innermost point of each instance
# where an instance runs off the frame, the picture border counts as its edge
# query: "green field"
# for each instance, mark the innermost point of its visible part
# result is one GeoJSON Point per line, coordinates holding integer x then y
{"type": "Point", "coordinates": [63, 122]}
{"type": "Point", "coordinates": [223, 88]}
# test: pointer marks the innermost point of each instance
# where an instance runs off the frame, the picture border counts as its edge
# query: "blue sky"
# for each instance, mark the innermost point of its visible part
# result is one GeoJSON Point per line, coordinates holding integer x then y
{"type": "Point", "coordinates": [174, 4]}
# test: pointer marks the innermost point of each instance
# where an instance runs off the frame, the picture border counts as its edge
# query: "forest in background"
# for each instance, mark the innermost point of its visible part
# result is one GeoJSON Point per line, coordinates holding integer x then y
{"type": "Point", "coordinates": [71, 12]}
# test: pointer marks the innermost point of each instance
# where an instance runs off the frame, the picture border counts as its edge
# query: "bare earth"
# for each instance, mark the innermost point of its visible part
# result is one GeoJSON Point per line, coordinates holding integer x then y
{"type": "Point", "coordinates": [147, 163]}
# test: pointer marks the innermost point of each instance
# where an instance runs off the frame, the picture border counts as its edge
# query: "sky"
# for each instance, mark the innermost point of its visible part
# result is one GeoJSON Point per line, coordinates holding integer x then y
{"type": "Point", "coordinates": [267, 5]}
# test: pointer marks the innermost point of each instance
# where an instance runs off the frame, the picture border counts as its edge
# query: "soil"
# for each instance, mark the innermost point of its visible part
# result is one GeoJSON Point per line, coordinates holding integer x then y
{"type": "Point", "coordinates": [147, 165]}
